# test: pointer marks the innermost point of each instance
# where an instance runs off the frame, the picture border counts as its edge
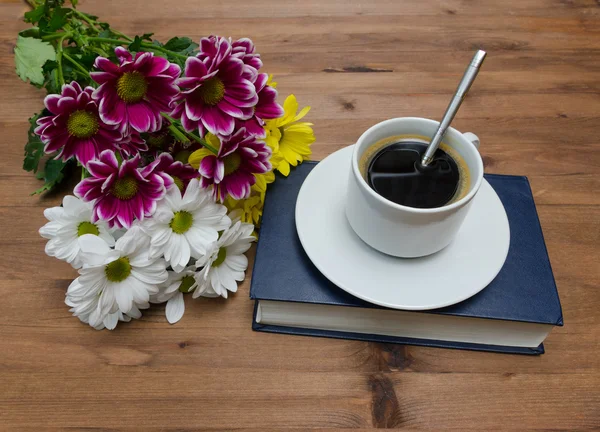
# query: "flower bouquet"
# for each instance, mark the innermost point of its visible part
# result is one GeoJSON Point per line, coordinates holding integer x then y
{"type": "Point", "coordinates": [175, 143]}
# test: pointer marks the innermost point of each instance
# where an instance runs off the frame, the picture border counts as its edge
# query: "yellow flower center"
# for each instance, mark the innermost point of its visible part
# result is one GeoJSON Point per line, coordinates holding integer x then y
{"type": "Point", "coordinates": [82, 124]}
{"type": "Point", "coordinates": [212, 91]}
{"type": "Point", "coordinates": [87, 228]}
{"type": "Point", "coordinates": [125, 188]}
{"type": "Point", "coordinates": [181, 222]}
{"type": "Point", "coordinates": [186, 284]}
{"type": "Point", "coordinates": [232, 162]}
{"type": "Point", "coordinates": [178, 183]}
{"type": "Point", "coordinates": [132, 87]}
{"type": "Point", "coordinates": [221, 255]}
{"type": "Point", "coordinates": [118, 270]}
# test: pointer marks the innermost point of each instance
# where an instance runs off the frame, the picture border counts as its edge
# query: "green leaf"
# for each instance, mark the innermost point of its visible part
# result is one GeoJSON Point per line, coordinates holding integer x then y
{"type": "Point", "coordinates": [70, 74]}
{"type": "Point", "coordinates": [58, 20]}
{"type": "Point", "coordinates": [51, 83]}
{"type": "Point", "coordinates": [44, 188]}
{"type": "Point", "coordinates": [30, 32]}
{"type": "Point", "coordinates": [53, 174]}
{"type": "Point", "coordinates": [136, 44]}
{"type": "Point", "coordinates": [178, 44]}
{"type": "Point", "coordinates": [74, 2]}
{"type": "Point", "coordinates": [87, 60]}
{"type": "Point", "coordinates": [105, 34]}
{"type": "Point", "coordinates": [34, 15]}
{"type": "Point", "coordinates": [49, 5]}
{"type": "Point", "coordinates": [53, 170]}
{"type": "Point", "coordinates": [49, 66]}
{"type": "Point", "coordinates": [34, 149]}
{"type": "Point", "coordinates": [147, 36]}
{"type": "Point", "coordinates": [43, 25]}
{"type": "Point", "coordinates": [30, 56]}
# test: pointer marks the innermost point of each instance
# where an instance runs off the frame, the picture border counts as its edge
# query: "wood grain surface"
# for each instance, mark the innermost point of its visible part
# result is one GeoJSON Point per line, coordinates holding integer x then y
{"type": "Point", "coordinates": [536, 108]}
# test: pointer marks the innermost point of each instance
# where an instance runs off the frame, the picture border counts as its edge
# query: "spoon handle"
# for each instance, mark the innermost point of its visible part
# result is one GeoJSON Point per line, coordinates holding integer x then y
{"type": "Point", "coordinates": [454, 105]}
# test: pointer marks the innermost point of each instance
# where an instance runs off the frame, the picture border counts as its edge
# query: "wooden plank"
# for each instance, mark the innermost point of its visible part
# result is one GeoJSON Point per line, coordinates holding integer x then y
{"type": "Point", "coordinates": [389, 33]}
{"type": "Point", "coordinates": [262, 9]}
{"type": "Point", "coordinates": [336, 399]}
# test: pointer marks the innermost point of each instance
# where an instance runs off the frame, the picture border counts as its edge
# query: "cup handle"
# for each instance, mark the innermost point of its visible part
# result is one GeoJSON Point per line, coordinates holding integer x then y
{"type": "Point", "coordinates": [473, 138]}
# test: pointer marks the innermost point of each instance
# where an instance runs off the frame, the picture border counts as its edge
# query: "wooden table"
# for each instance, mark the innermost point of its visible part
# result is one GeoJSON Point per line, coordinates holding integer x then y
{"type": "Point", "coordinates": [536, 108]}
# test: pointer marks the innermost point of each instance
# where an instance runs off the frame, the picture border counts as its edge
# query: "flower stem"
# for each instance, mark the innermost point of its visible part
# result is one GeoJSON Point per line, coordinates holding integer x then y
{"type": "Point", "coordinates": [184, 135]}
{"type": "Point", "coordinates": [202, 142]}
{"type": "Point", "coordinates": [77, 65]}
{"type": "Point", "coordinates": [107, 40]}
{"type": "Point", "coordinates": [118, 33]}
{"type": "Point", "coordinates": [87, 19]}
{"type": "Point", "coordinates": [177, 133]}
{"type": "Point", "coordinates": [59, 55]}
{"type": "Point", "coordinates": [53, 36]}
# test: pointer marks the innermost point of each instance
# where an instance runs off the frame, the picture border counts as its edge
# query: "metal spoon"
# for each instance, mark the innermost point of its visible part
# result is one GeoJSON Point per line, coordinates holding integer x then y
{"type": "Point", "coordinates": [459, 95]}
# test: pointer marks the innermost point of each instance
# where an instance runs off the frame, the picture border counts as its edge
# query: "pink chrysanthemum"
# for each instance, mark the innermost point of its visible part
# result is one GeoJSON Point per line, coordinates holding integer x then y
{"type": "Point", "coordinates": [75, 128]}
{"type": "Point", "coordinates": [122, 193]}
{"type": "Point", "coordinates": [245, 49]}
{"type": "Point", "coordinates": [215, 90]}
{"type": "Point", "coordinates": [172, 171]}
{"type": "Point", "coordinates": [131, 145]}
{"type": "Point", "coordinates": [266, 107]}
{"type": "Point", "coordinates": [231, 171]}
{"type": "Point", "coordinates": [133, 94]}
{"type": "Point", "coordinates": [241, 48]}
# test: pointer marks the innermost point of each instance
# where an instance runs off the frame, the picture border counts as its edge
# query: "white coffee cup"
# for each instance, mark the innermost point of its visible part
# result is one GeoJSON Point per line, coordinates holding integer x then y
{"type": "Point", "coordinates": [399, 230]}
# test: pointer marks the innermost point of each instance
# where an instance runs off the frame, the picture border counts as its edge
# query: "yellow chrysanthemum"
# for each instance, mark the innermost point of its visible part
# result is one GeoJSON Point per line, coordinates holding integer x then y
{"type": "Point", "coordinates": [250, 209]}
{"type": "Point", "coordinates": [289, 139]}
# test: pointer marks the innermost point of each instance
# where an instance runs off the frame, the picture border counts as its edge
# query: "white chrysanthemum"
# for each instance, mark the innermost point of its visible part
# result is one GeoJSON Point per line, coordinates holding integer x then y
{"type": "Point", "coordinates": [68, 223]}
{"type": "Point", "coordinates": [225, 263]}
{"type": "Point", "coordinates": [113, 281]}
{"type": "Point", "coordinates": [172, 292]}
{"type": "Point", "coordinates": [174, 288]}
{"type": "Point", "coordinates": [184, 227]}
{"type": "Point", "coordinates": [84, 310]}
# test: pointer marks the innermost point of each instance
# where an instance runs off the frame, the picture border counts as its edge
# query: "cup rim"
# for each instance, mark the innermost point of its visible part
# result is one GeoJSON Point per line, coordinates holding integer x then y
{"type": "Point", "coordinates": [365, 186]}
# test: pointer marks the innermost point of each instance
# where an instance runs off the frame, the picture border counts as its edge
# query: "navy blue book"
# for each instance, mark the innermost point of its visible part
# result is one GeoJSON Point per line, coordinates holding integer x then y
{"type": "Point", "coordinates": [293, 297]}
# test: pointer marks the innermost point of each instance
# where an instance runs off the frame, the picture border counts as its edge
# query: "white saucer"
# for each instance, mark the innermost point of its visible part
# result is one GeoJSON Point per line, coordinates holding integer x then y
{"type": "Point", "coordinates": [450, 276]}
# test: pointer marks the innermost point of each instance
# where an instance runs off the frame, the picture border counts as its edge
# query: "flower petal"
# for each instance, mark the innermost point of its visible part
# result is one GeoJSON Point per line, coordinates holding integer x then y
{"type": "Point", "coordinates": [217, 122]}
{"type": "Point", "coordinates": [175, 308]}
{"type": "Point", "coordinates": [194, 67]}
{"type": "Point", "coordinates": [140, 116]}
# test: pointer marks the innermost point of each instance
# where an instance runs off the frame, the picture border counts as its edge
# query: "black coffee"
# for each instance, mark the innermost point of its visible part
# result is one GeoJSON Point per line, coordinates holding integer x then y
{"type": "Point", "coordinates": [395, 173]}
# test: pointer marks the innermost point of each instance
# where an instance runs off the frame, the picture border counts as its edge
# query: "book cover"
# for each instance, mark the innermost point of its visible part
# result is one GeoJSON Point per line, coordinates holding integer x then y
{"type": "Point", "coordinates": [524, 290]}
